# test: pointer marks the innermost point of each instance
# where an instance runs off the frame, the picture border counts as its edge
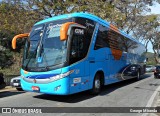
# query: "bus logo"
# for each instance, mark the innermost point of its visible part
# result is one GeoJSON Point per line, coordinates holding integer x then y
{"type": "Point", "coordinates": [79, 31]}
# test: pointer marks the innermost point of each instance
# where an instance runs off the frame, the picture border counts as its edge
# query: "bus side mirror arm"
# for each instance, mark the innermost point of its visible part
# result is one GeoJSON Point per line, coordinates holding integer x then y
{"type": "Point", "coordinates": [14, 40]}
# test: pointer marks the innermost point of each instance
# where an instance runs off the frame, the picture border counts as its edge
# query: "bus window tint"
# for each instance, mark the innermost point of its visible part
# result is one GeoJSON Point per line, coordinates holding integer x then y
{"type": "Point", "coordinates": [113, 39]}
{"type": "Point", "coordinates": [79, 47]}
{"type": "Point", "coordinates": [102, 38]}
{"type": "Point", "coordinates": [119, 42]}
{"type": "Point", "coordinates": [126, 44]}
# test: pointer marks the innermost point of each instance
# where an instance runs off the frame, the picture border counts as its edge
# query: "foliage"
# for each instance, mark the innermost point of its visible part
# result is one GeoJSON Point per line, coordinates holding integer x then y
{"type": "Point", "coordinates": [150, 56]}
{"type": "Point", "coordinates": [18, 16]}
{"type": "Point", "coordinates": [14, 19]}
{"type": "Point", "coordinates": [149, 31]}
{"type": "Point", "coordinates": [128, 15]}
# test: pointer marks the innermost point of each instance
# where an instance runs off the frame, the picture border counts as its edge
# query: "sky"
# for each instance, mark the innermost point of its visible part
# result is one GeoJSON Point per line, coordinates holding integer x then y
{"type": "Point", "coordinates": [155, 9]}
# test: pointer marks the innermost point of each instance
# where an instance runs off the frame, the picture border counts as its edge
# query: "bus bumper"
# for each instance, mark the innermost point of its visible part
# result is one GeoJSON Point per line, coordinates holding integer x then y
{"type": "Point", "coordinates": [59, 87]}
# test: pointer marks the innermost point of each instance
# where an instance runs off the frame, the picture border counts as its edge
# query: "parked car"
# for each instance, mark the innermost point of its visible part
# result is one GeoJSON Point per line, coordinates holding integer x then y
{"type": "Point", "coordinates": [157, 72]}
{"type": "Point", "coordinates": [2, 83]}
{"type": "Point", "coordinates": [150, 68]}
{"type": "Point", "coordinates": [15, 82]}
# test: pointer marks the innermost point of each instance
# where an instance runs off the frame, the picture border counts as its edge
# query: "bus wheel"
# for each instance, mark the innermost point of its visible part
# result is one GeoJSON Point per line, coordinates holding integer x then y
{"type": "Point", "coordinates": [97, 84]}
{"type": "Point", "coordinates": [19, 89]}
{"type": "Point", "coordinates": [138, 74]}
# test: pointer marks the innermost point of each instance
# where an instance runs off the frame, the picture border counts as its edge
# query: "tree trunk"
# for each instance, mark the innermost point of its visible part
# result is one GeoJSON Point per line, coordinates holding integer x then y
{"type": "Point", "coordinates": [157, 59]}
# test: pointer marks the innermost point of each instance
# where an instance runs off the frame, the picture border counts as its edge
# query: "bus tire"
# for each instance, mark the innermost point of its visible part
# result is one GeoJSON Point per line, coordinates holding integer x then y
{"type": "Point", "coordinates": [138, 75]}
{"type": "Point", "coordinates": [97, 85]}
{"type": "Point", "coordinates": [19, 89]}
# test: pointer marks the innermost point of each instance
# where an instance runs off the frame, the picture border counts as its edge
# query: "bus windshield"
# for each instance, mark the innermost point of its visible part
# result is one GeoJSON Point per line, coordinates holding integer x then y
{"type": "Point", "coordinates": [44, 48]}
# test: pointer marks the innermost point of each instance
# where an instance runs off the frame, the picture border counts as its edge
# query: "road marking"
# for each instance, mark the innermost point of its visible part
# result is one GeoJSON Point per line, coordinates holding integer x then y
{"type": "Point", "coordinates": [149, 104]}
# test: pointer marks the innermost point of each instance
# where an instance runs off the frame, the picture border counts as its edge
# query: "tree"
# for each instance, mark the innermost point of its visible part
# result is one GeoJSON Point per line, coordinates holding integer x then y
{"type": "Point", "coordinates": [123, 13]}
{"type": "Point", "coordinates": [49, 8]}
{"type": "Point", "coordinates": [14, 19]}
{"type": "Point", "coordinates": [149, 31]}
{"type": "Point", "coordinates": [18, 16]}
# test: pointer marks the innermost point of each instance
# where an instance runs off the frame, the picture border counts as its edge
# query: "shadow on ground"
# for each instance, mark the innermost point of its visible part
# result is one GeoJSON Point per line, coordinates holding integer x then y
{"type": "Point", "coordinates": [155, 84]}
{"type": "Point", "coordinates": [10, 93]}
{"type": "Point", "coordinates": [86, 94]}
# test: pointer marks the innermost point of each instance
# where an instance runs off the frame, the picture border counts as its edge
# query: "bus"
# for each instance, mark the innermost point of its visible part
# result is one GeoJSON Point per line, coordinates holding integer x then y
{"type": "Point", "coordinates": [70, 53]}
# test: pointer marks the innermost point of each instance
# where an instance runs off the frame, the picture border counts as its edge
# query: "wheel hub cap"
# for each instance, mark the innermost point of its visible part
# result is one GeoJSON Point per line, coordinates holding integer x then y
{"type": "Point", "coordinates": [97, 84]}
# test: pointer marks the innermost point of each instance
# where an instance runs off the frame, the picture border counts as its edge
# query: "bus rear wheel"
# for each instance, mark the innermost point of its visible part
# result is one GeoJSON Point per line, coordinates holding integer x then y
{"type": "Point", "coordinates": [97, 85]}
{"type": "Point", "coordinates": [138, 75]}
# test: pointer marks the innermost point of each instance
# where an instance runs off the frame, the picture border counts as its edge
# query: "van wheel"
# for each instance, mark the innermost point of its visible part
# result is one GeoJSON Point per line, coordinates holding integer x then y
{"type": "Point", "coordinates": [97, 84]}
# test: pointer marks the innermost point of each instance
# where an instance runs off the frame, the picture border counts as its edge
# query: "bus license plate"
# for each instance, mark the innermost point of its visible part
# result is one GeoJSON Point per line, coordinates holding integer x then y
{"type": "Point", "coordinates": [35, 88]}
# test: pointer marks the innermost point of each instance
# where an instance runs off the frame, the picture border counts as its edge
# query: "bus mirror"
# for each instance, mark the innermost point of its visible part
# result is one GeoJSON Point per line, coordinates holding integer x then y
{"type": "Point", "coordinates": [66, 27]}
{"type": "Point", "coordinates": [14, 40]}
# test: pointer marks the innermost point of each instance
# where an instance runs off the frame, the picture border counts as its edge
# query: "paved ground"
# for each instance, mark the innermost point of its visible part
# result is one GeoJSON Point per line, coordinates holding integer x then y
{"type": "Point", "coordinates": [129, 93]}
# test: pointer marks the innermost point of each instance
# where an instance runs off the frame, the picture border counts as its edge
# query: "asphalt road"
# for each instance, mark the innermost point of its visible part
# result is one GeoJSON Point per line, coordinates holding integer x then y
{"type": "Point", "coordinates": [130, 93]}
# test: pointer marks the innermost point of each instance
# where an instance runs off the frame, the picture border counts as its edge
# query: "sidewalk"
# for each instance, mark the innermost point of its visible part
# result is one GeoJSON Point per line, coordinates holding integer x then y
{"type": "Point", "coordinates": [7, 88]}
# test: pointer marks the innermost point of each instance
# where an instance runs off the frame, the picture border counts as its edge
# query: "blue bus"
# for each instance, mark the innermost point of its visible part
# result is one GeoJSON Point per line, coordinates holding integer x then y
{"type": "Point", "coordinates": [75, 52]}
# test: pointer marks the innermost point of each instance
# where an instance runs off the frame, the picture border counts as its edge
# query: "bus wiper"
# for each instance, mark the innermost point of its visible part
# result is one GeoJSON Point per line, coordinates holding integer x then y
{"type": "Point", "coordinates": [40, 49]}
{"type": "Point", "coordinates": [34, 52]}
{"type": "Point", "coordinates": [44, 57]}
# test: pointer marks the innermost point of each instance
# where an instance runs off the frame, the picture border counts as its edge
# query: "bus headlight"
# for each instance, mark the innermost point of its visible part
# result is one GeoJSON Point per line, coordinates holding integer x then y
{"type": "Point", "coordinates": [57, 77]}
{"type": "Point", "coordinates": [22, 76]}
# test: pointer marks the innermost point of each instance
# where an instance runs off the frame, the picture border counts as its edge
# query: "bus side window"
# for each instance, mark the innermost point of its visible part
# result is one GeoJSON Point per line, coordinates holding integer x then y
{"type": "Point", "coordinates": [102, 38]}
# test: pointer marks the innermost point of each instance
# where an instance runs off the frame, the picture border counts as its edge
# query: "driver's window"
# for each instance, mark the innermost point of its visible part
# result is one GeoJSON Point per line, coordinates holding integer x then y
{"type": "Point", "coordinates": [79, 46]}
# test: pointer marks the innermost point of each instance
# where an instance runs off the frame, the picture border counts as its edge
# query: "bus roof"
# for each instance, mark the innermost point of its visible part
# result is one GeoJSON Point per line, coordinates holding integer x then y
{"type": "Point", "coordinates": [85, 15]}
